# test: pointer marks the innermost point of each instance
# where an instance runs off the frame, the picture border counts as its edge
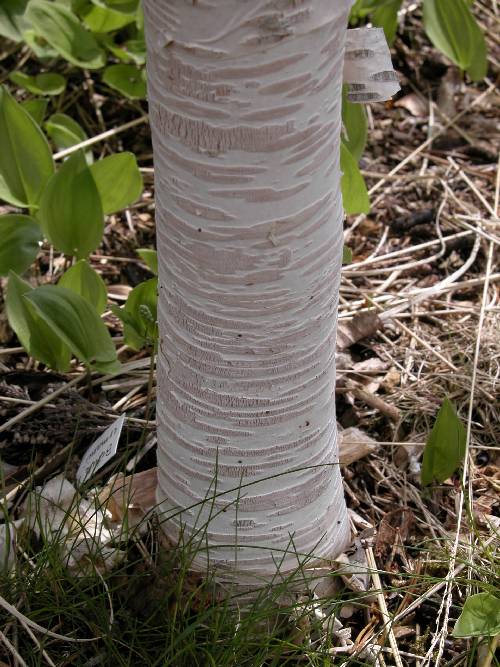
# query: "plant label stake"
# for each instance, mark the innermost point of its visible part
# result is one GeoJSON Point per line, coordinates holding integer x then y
{"type": "Point", "coordinates": [103, 449]}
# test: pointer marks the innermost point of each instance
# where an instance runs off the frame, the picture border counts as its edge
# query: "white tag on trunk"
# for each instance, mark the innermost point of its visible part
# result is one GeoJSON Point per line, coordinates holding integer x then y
{"type": "Point", "coordinates": [101, 451]}
{"type": "Point", "coordinates": [368, 67]}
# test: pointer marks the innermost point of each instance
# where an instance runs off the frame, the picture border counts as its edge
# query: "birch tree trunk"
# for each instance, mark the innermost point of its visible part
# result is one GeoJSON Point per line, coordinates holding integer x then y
{"type": "Point", "coordinates": [245, 110]}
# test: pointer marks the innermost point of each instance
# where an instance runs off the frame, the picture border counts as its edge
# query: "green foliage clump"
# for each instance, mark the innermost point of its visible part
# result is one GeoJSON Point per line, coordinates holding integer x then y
{"type": "Point", "coordinates": [85, 33]}
{"type": "Point", "coordinates": [67, 208]}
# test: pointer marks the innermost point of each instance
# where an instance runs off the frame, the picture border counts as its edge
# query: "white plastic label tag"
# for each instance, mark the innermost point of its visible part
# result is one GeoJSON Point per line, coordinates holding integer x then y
{"type": "Point", "coordinates": [101, 451]}
{"type": "Point", "coordinates": [368, 67]}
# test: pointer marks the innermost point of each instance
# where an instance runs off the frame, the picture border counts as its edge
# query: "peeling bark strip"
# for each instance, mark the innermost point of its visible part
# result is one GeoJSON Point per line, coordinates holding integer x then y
{"type": "Point", "coordinates": [245, 111]}
{"type": "Point", "coordinates": [368, 66]}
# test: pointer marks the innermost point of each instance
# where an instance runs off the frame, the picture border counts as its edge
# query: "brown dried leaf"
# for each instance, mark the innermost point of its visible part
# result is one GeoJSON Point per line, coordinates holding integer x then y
{"type": "Point", "coordinates": [412, 103]}
{"type": "Point", "coordinates": [391, 380]}
{"type": "Point", "coordinates": [401, 631]}
{"type": "Point", "coordinates": [354, 445]}
{"type": "Point", "coordinates": [132, 494]}
{"type": "Point", "coordinates": [396, 523]}
{"type": "Point", "coordinates": [361, 326]}
{"type": "Point", "coordinates": [119, 292]}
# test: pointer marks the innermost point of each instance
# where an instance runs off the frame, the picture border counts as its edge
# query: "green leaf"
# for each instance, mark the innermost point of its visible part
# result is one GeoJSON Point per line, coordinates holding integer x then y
{"type": "Point", "coordinates": [386, 16]}
{"type": "Point", "coordinates": [122, 315]}
{"type": "Point", "coordinates": [42, 49]}
{"type": "Point", "coordinates": [26, 162]}
{"type": "Point", "coordinates": [127, 80]}
{"type": "Point", "coordinates": [123, 6]}
{"type": "Point", "coordinates": [117, 50]}
{"type": "Point", "coordinates": [445, 448]}
{"type": "Point", "coordinates": [346, 255]}
{"type": "Point", "coordinates": [478, 67]}
{"type": "Point", "coordinates": [20, 236]}
{"type": "Point", "coordinates": [12, 22]}
{"type": "Point", "coordinates": [134, 50]}
{"type": "Point", "coordinates": [66, 132]}
{"type": "Point", "coordinates": [100, 19]}
{"type": "Point", "coordinates": [118, 181]}
{"type": "Point", "coordinates": [354, 192]}
{"type": "Point", "coordinates": [355, 125]}
{"type": "Point", "coordinates": [363, 8]}
{"type": "Point", "coordinates": [36, 108]}
{"type": "Point", "coordinates": [35, 336]}
{"type": "Point", "coordinates": [150, 258]}
{"type": "Point", "coordinates": [64, 32]}
{"type": "Point", "coordinates": [452, 28]}
{"type": "Point", "coordinates": [47, 83]}
{"type": "Point", "coordinates": [83, 280]}
{"type": "Point", "coordinates": [76, 322]}
{"type": "Point", "coordinates": [480, 617]}
{"type": "Point", "coordinates": [139, 21]}
{"type": "Point", "coordinates": [70, 210]}
{"type": "Point", "coordinates": [357, 12]}
{"type": "Point", "coordinates": [139, 315]}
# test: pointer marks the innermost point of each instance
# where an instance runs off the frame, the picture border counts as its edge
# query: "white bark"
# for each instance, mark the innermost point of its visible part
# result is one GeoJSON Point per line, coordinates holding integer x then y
{"type": "Point", "coordinates": [245, 109]}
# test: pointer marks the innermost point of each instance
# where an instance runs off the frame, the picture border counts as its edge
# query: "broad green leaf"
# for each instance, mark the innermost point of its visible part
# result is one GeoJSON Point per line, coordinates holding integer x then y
{"type": "Point", "coordinates": [346, 255]}
{"type": "Point", "coordinates": [77, 323]}
{"type": "Point", "coordinates": [35, 336]}
{"type": "Point", "coordinates": [12, 22]}
{"type": "Point", "coordinates": [66, 132]}
{"type": "Point", "coordinates": [452, 28]}
{"type": "Point", "coordinates": [150, 258]}
{"type": "Point", "coordinates": [118, 181]}
{"type": "Point", "coordinates": [70, 209]}
{"type": "Point", "coordinates": [26, 162]}
{"type": "Point", "coordinates": [99, 19]}
{"type": "Point", "coordinates": [480, 617]}
{"type": "Point", "coordinates": [64, 32]}
{"type": "Point", "coordinates": [140, 21]}
{"type": "Point", "coordinates": [134, 50]}
{"type": "Point", "coordinates": [478, 67]}
{"type": "Point", "coordinates": [123, 6]}
{"type": "Point", "coordinates": [122, 315]}
{"type": "Point", "coordinates": [117, 50]}
{"type": "Point", "coordinates": [139, 315]}
{"type": "Point", "coordinates": [386, 16]}
{"type": "Point", "coordinates": [82, 279]}
{"type": "Point", "coordinates": [42, 49]}
{"type": "Point", "coordinates": [354, 192]}
{"type": "Point", "coordinates": [445, 449]}
{"type": "Point", "coordinates": [355, 14]}
{"type": "Point", "coordinates": [363, 8]}
{"type": "Point", "coordinates": [36, 108]}
{"type": "Point", "coordinates": [127, 80]}
{"type": "Point", "coordinates": [47, 83]}
{"type": "Point", "coordinates": [20, 237]}
{"type": "Point", "coordinates": [442, 32]}
{"type": "Point", "coordinates": [355, 125]}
